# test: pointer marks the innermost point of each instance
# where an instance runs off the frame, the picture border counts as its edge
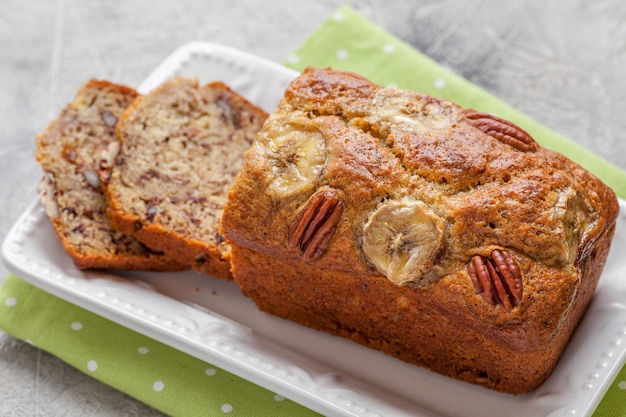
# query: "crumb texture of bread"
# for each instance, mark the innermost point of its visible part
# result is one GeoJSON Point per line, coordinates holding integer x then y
{"type": "Point", "coordinates": [440, 235]}
{"type": "Point", "coordinates": [69, 152]}
{"type": "Point", "coordinates": [182, 146]}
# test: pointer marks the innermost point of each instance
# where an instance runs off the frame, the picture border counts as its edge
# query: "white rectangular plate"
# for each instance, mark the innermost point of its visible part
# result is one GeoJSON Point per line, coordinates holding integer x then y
{"type": "Point", "coordinates": [211, 320]}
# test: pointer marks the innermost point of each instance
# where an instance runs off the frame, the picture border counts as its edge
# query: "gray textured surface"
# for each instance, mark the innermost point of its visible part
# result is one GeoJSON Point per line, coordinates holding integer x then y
{"type": "Point", "coordinates": [560, 62]}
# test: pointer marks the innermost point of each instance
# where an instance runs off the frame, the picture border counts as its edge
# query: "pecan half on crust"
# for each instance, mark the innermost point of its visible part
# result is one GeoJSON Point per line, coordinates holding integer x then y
{"type": "Point", "coordinates": [497, 279]}
{"type": "Point", "coordinates": [502, 130]}
{"type": "Point", "coordinates": [314, 226]}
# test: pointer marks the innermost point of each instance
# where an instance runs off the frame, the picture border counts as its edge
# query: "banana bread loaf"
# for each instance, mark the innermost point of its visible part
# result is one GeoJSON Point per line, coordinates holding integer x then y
{"type": "Point", "coordinates": [182, 145]}
{"type": "Point", "coordinates": [440, 235]}
{"type": "Point", "coordinates": [69, 152]}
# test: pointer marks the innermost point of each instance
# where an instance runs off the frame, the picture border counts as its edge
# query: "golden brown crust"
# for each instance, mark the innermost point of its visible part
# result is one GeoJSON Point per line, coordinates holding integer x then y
{"type": "Point", "coordinates": [463, 184]}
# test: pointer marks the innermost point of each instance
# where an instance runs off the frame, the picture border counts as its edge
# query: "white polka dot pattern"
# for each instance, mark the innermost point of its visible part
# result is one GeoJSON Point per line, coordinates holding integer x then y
{"type": "Point", "coordinates": [389, 48]}
{"type": "Point", "coordinates": [439, 83]}
{"type": "Point", "coordinates": [158, 386]}
{"type": "Point", "coordinates": [338, 16]}
{"type": "Point", "coordinates": [92, 366]}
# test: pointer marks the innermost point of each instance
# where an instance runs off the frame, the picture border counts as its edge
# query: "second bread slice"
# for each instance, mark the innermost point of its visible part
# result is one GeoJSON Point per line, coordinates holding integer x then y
{"type": "Point", "coordinates": [182, 146]}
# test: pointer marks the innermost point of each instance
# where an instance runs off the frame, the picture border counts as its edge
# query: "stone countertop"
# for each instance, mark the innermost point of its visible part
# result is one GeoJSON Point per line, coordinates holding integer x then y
{"type": "Point", "coordinates": [561, 63]}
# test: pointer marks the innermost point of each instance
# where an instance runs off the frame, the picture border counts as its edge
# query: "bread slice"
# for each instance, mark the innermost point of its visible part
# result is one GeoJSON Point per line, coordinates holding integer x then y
{"type": "Point", "coordinates": [69, 153]}
{"type": "Point", "coordinates": [182, 146]}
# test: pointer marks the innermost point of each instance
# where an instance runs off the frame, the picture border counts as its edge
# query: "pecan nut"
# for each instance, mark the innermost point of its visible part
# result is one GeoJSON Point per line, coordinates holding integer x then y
{"type": "Point", "coordinates": [497, 279]}
{"type": "Point", "coordinates": [314, 226]}
{"type": "Point", "coordinates": [107, 159]}
{"type": "Point", "coordinates": [502, 130]}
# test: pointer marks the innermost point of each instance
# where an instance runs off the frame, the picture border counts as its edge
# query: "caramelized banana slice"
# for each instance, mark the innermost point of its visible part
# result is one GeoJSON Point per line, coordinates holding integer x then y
{"type": "Point", "coordinates": [296, 153]}
{"type": "Point", "coordinates": [402, 239]}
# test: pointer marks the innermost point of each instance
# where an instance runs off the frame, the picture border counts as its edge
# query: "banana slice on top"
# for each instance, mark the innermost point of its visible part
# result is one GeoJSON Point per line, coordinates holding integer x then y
{"type": "Point", "coordinates": [296, 153]}
{"type": "Point", "coordinates": [575, 218]}
{"type": "Point", "coordinates": [402, 239]}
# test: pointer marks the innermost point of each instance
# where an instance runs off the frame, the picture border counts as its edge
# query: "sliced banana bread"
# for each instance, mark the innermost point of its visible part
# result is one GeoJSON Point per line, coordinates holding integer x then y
{"type": "Point", "coordinates": [69, 153]}
{"type": "Point", "coordinates": [182, 146]}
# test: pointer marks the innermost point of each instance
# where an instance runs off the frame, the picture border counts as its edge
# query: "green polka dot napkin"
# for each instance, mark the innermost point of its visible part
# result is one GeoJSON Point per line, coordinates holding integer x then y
{"type": "Point", "coordinates": [156, 374]}
{"type": "Point", "coordinates": [181, 385]}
